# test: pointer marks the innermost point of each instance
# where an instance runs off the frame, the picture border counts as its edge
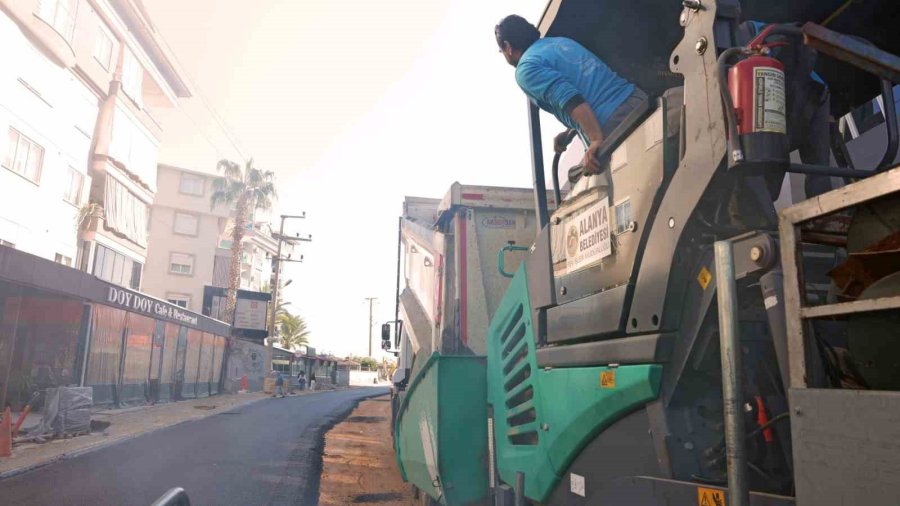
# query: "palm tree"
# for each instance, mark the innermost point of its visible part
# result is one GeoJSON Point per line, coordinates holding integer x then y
{"type": "Point", "coordinates": [292, 331]}
{"type": "Point", "coordinates": [280, 311]}
{"type": "Point", "coordinates": [247, 189]}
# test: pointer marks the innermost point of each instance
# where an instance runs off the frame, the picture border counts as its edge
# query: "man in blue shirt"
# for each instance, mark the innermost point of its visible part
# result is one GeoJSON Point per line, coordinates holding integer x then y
{"type": "Point", "coordinates": [563, 78]}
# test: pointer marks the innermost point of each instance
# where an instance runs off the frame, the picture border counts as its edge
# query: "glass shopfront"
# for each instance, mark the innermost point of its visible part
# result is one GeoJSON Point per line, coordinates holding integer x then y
{"type": "Point", "coordinates": [77, 330]}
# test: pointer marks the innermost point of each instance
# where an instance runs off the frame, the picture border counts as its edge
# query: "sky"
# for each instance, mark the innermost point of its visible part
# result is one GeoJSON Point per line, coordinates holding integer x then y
{"type": "Point", "coordinates": [353, 104]}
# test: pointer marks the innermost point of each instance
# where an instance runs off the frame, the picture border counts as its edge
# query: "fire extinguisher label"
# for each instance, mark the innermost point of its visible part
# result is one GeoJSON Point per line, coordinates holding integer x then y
{"type": "Point", "coordinates": [769, 100]}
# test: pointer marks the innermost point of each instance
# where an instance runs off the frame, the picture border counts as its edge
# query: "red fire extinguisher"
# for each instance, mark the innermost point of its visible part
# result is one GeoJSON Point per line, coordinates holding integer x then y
{"type": "Point", "coordinates": [756, 85]}
{"type": "Point", "coordinates": [757, 90]}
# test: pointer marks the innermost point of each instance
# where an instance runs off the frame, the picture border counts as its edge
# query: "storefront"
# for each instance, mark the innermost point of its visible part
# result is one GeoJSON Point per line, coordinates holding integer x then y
{"type": "Point", "coordinates": [60, 326]}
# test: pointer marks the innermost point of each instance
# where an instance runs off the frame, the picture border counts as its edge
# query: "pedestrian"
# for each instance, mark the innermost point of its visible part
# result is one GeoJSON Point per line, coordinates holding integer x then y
{"type": "Point", "coordinates": [279, 385]}
{"type": "Point", "coordinates": [563, 78]}
{"type": "Point", "coordinates": [312, 383]}
{"type": "Point", "coordinates": [301, 381]}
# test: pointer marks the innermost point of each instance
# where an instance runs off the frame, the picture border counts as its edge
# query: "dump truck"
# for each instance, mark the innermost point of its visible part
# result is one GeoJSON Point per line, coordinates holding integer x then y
{"type": "Point", "coordinates": [685, 327]}
{"type": "Point", "coordinates": [448, 260]}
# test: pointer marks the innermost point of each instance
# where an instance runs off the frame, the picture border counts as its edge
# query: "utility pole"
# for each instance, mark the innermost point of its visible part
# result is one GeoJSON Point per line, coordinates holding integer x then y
{"type": "Point", "coordinates": [276, 264]}
{"type": "Point", "coordinates": [371, 303]}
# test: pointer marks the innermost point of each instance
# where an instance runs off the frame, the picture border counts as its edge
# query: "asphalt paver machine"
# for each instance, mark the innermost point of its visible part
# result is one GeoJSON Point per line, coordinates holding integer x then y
{"type": "Point", "coordinates": [676, 333]}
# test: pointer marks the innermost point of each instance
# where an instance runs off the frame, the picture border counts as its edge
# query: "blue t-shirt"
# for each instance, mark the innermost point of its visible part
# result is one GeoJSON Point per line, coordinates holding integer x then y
{"type": "Point", "coordinates": [758, 26]}
{"type": "Point", "coordinates": [554, 70]}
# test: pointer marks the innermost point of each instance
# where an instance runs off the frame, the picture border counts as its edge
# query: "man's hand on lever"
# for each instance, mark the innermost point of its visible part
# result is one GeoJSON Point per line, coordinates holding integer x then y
{"type": "Point", "coordinates": [562, 140]}
{"type": "Point", "coordinates": [592, 163]}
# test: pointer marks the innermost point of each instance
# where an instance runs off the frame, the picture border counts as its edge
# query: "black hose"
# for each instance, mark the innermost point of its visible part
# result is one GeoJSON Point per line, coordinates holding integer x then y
{"type": "Point", "coordinates": [734, 142]}
{"type": "Point", "coordinates": [720, 446]}
{"type": "Point", "coordinates": [777, 418]}
{"type": "Point", "coordinates": [556, 192]}
{"type": "Point", "coordinates": [827, 170]}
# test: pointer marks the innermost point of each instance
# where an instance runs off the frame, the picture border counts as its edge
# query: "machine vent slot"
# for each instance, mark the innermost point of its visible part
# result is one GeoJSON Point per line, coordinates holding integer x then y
{"type": "Point", "coordinates": [519, 375]}
{"type": "Point", "coordinates": [522, 418]}
{"type": "Point", "coordinates": [514, 360]}
{"type": "Point", "coordinates": [516, 318]}
{"type": "Point", "coordinates": [523, 395]}
{"type": "Point", "coordinates": [515, 347]}
{"type": "Point", "coordinates": [526, 438]}
{"type": "Point", "coordinates": [513, 341]}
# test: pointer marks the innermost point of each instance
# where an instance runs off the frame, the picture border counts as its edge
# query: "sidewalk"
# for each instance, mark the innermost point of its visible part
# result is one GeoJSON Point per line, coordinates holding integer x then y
{"type": "Point", "coordinates": [358, 465]}
{"type": "Point", "coordinates": [124, 424]}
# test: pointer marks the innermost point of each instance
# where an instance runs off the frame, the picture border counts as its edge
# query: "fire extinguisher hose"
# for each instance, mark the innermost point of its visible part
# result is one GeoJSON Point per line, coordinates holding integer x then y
{"type": "Point", "coordinates": [734, 142]}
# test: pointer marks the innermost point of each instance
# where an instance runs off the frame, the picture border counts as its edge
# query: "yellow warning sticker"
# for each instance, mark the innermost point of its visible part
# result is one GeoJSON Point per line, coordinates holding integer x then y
{"type": "Point", "coordinates": [710, 497]}
{"type": "Point", "coordinates": [704, 277]}
{"type": "Point", "coordinates": [608, 379]}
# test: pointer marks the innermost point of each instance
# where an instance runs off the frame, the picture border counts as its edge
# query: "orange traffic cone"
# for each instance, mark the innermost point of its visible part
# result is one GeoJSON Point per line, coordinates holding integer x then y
{"type": "Point", "coordinates": [6, 434]}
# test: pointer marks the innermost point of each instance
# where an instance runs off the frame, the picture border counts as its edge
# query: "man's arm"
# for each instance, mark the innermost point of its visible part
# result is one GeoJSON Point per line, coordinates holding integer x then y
{"type": "Point", "coordinates": [544, 82]}
{"type": "Point", "coordinates": [584, 116]}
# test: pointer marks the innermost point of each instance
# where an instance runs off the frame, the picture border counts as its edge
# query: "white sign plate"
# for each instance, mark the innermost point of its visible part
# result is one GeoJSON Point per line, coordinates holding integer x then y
{"type": "Point", "coordinates": [250, 314]}
{"type": "Point", "coordinates": [587, 236]}
{"type": "Point", "coordinates": [576, 484]}
{"type": "Point", "coordinates": [769, 100]}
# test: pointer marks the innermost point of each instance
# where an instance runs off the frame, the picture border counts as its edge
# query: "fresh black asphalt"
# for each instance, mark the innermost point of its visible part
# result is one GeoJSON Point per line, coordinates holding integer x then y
{"type": "Point", "coordinates": [264, 453]}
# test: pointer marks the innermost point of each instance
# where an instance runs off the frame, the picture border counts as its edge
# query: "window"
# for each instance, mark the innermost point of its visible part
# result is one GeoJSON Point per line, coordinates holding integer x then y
{"type": "Point", "coordinates": [85, 108]}
{"type": "Point", "coordinates": [181, 263]}
{"type": "Point", "coordinates": [133, 146]}
{"type": "Point", "coordinates": [74, 187]}
{"type": "Point", "coordinates": [132, 77]}
{"type": "Point", "coordinates": [623, 216]}
{"type": "Point", "coordinates": [103, 49]}
{"type": "Point", "coordinates": [24, 156]}
{"type": "Point", "coordinates": [179, 299]}
{"type": "Point", "coordinates": [185, 224]}
{"type": "Point", "coordinates": [62, 259]}
{"type": "Point", "coordinates": [191, 184]}
{"type": "Point", "coordinates": [60, 14]}
{"type": "Point", "coordinates": [137, 269]}
{"type": "Point", "coordinates": [126, 215]}
{"type": "Point", "coordinates": [117, 268]}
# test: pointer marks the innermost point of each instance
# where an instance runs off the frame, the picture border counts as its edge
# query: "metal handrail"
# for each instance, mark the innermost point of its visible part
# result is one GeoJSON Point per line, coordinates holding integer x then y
{"type": "Point", "coordinates": [729, 343]}
{"type": "Point", "coordinates": [500, 258]}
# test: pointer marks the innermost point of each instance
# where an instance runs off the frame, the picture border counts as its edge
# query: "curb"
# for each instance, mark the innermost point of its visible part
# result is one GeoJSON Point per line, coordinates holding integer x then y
{"type": "Point", "coordinates": [110, 442]}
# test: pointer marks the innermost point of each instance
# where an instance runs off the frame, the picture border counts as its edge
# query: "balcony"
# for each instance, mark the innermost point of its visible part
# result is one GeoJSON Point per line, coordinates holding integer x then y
{"type": "Point", "coordinates": [49, 25]}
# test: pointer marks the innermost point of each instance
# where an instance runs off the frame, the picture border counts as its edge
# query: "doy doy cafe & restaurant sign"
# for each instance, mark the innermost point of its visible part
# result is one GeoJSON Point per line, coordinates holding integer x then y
{"type": "Point", "coordinates": [147, 305]}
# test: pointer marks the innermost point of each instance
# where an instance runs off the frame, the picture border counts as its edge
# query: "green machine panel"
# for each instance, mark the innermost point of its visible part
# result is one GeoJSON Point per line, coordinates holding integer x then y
{"type": "Point", "coordinates": [441, 430]}
{"type": "Point", "coordinates": [543, 418]}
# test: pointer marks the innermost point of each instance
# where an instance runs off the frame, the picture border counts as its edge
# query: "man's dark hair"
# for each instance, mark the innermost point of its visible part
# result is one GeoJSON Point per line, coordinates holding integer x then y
{"type": "Point", "coordinates": [517, 31]}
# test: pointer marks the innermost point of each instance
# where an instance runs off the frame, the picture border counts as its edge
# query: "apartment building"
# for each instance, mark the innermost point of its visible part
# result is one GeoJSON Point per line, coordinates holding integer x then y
{"type": "Point", "coordinates": [79, 96]}
{"type": "Point", "coordinates": [190, 242]}
{"type": "Point", "coordinates": [185, 234]}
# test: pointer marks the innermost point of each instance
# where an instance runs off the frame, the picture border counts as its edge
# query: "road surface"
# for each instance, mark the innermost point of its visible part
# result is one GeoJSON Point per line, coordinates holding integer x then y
{"type": "Point", "coordinates": [264, 453]}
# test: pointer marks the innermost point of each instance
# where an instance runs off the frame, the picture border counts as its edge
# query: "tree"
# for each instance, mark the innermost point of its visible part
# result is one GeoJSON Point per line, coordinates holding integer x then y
{"type": "Point", "coordinates": [368, 363]}
{"type": "Point", "coordinates": [248, 189]}
{"type": "Point", "coordinates": [281, 311]}
{"type": "Point", "coordinates": [292, 331]}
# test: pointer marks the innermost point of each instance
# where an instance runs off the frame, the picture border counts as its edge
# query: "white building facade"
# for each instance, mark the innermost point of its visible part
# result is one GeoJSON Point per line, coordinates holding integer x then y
{"type": "Point", "coordinates": [80, 90]}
